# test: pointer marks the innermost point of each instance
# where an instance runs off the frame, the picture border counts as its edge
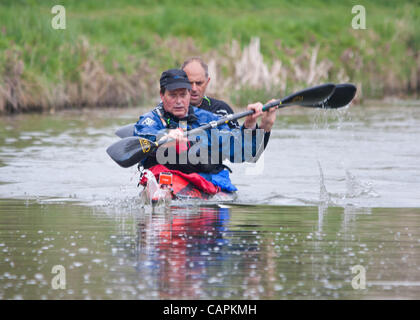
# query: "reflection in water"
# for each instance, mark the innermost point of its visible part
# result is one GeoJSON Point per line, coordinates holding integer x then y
{"type": "Point", "coordinates": [240, 252]}
{"type": "Point", "coordinates": [192, 253]}
{"type": "Point", "coordinates": [179, 248]}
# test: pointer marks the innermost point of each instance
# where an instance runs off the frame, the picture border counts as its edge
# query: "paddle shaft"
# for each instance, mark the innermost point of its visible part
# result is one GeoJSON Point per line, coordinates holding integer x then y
{"type": "Point", "coordinates": [306, 97]}
{"type": "Point", "coordinates": [215, 124]}
{"type": "Point", "coordinates": [127, 131]}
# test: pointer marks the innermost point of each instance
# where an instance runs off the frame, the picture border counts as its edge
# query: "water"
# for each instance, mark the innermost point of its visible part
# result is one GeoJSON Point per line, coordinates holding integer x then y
{"type": "Point", "coordinates": [334, 190]}
{"type": "Point", "coordinates": [263, 252]}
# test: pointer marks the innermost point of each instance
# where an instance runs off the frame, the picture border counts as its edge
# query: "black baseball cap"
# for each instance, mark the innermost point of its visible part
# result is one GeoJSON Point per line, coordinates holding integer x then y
{"type": "Point", "coordinates": [174, 79]}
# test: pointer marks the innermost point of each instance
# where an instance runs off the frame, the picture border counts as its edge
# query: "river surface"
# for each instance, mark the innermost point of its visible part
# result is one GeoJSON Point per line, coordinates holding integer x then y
{"type": "Point", "coordinates": [331, 211]}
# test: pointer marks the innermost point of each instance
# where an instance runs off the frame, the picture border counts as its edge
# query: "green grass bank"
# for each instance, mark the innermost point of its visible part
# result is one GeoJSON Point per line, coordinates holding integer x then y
{"type": "Point", "coordinates": [112, 52]}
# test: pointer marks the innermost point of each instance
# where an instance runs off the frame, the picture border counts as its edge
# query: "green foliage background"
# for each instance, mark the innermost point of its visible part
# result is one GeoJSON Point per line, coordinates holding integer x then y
{"type": "Point", "coordinates": [122, 33]}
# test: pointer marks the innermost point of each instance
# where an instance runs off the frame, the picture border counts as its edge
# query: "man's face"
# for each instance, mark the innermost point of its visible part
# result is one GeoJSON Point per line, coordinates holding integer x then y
{"type": "Point", "coordinates": [176, 102]}
{"type": "Point", "coordinates": [198, 80]}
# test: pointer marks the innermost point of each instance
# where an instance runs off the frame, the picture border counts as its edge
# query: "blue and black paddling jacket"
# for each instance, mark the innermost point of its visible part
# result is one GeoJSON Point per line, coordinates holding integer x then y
{"type": "Point", "coordinates": [154, 124]}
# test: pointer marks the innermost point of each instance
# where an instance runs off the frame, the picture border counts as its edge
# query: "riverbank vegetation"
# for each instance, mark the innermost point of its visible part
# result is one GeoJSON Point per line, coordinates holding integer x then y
{"type": "Point", "coordinates": [112, 52]}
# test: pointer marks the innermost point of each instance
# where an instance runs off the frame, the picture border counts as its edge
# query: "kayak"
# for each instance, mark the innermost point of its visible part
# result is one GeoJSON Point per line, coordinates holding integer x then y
{"type": "Point", "coordinates": [171, 186]}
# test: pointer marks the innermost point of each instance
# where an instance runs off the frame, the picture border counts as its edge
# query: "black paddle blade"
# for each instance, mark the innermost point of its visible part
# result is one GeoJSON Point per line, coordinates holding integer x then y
{"type": "Point", "coordinates": [126, 131]}
{"type": "Point", "coordinates": [309, 97]}
{"type": "Point", "coordinates": [342, 96]}
{"type": "Point", "coordinates": [130, 151]}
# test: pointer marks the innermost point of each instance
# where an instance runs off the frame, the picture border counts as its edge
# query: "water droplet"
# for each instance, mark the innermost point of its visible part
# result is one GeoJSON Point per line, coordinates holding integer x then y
{"type": "Point", "coordinates": [39, 276]}
{"type": "Point", "coordinates": [278, 287]}
{"type": "Point", "coordinates": [213, 280]}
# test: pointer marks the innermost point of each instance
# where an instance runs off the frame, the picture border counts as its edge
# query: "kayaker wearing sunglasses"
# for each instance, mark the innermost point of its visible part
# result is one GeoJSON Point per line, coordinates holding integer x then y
{"type": "Point", "coordinates": [175, 115]}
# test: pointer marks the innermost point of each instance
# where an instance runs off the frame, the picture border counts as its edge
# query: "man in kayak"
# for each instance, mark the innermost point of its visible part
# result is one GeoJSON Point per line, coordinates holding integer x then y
{"type": "Point", "coordinates": [198, 74]}
{"type": "Point", "coordinates": [175, 115]}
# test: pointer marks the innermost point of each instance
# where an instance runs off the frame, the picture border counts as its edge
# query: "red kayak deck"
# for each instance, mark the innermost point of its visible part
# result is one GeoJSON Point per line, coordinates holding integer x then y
{"type": "Point", "coordinates": [162, 184]}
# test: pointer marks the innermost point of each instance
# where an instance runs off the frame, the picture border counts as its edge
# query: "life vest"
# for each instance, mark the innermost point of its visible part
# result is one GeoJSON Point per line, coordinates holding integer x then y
{"type": "Point", "coordinates": [172, 122]}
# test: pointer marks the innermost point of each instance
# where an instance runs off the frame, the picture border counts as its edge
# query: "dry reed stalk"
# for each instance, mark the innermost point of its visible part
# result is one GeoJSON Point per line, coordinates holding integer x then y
{"type": "Point", "coordinates": [247, 70]}
{"type": "Point", "coordinates": [97, 87]}
{"type": "Point", "coordinates": [94, 86]}
{"type": "Point", "coordinates": [12, 80]}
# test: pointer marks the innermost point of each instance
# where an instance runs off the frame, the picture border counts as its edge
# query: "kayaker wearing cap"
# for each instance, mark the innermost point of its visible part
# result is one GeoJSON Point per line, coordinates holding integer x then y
{"type": "Point", "coordinates": [175, 114]}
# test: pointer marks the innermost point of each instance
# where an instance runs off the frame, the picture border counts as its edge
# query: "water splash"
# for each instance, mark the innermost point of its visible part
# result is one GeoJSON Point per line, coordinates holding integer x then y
{"type": "Point", "coordinates": [324, 196]}
{"type": "Point", "coordinates": [154, 191]}
{"type": "Point", "coordinates": [356, 188]}
{"type": "Point", "coordinates": [326, 119]}
{"type": "Point", "coordinates": [335, 120]}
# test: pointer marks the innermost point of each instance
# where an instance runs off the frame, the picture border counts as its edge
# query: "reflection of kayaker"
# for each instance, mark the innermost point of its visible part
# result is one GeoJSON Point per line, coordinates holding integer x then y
{"type": "Point", "coordinates": [179, 248]}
